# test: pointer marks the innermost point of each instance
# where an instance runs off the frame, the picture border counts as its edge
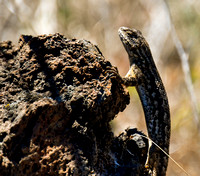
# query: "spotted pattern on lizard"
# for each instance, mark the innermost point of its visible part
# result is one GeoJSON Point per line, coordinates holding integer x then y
{"type": "Point", "coordinates": [144, 76]}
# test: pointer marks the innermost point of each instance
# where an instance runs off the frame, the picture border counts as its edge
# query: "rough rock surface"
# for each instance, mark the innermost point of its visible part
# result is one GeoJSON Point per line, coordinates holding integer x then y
{"type": "Point", "coordinates": [57, 97]}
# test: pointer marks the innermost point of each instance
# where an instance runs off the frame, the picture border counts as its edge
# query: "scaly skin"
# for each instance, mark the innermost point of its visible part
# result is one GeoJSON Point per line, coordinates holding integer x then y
{"type": "Point", "coordinates": [145, 77]}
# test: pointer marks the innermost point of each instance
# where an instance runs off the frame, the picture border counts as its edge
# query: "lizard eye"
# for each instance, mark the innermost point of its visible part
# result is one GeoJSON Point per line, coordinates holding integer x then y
{"type": "Point", "coordinates": [133, 35]}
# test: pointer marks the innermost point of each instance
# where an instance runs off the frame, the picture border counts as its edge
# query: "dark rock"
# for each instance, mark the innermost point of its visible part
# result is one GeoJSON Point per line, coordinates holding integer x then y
{"type": "Point", "coordinates": [57, 97]}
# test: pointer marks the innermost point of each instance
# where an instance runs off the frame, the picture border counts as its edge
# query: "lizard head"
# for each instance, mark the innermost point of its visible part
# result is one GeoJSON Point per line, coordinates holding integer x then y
{"type": "Point", "coordinates": [132, 39]}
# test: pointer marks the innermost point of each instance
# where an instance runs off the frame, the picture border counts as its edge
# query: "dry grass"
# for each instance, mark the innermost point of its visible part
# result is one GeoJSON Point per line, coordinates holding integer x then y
{"type": "Point", "coordinates": [98, 21]}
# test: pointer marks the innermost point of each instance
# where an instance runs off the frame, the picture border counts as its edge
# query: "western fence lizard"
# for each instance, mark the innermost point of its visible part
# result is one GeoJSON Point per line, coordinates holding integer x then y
{"type": "Point", "coordinates": [144, 76]}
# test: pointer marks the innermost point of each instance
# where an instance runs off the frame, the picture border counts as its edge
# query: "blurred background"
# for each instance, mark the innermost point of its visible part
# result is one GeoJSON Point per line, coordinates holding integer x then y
{"type": "Point", "coordinates": [172, 29]}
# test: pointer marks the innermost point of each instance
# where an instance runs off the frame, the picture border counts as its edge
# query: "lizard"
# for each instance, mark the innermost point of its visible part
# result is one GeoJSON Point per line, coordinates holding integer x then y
{"type": "Point", "coordinates": [144, 76]}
